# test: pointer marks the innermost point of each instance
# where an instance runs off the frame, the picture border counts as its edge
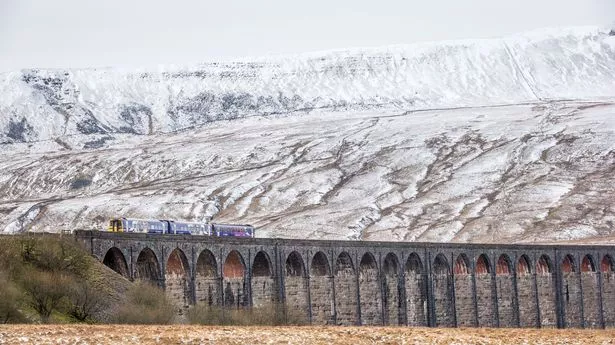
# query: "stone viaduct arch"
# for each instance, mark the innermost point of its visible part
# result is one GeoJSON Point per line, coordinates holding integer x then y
{"type": "Point", "coordinates": [545, 287]}
{"type": "Point", "coordinates": [391, 292]}
{"type": "Point", "coordinates": [416, 289]}
{"type": "Point", "coordinates": [321, 290]}
{"type": "Point", "coordinates": [571, 291]}
{"type": "Point", "coordinates": [506, 302]}
{"type": "Point", "coordinates": [465, 286]}
{"type": "Point", "coordinates": [234, 274]}
{"type": "Point", "coordinates": [607, 287]}
{"type": "Point", "coordinates": [148, 268]}
{"type": "Point", "coordinates": [485, 303]}
{"type": "Point", "coordinates": [178, 285]}
{"type": "Point", "coordinates": [296, 284]}
{"type": "Point", "coordinates": [370, 291]}
{"type": "Point", "coordinates": [589, 293]}
{"type": "Point", "coordinates": [207, 280]}
{"type": "Point", "coordinates": [527, 297]}
{"type": "Point", "coordinates": [263, 288]}
{"type": "Point", "coordinates": [379, 283]}
{"type": "Point", "coordinates": [115, 260]}
{"type": "Point", "coordinates": [346, 306]}
{"type": "Point", "coordinates": [442, 282]}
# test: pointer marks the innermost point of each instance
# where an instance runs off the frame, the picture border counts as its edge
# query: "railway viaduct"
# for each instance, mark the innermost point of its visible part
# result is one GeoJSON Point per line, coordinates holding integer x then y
{"type": "Point", "coordinates": [375, 283]}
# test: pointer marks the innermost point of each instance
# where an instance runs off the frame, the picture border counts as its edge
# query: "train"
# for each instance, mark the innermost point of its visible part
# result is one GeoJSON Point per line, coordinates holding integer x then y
{"type": "Point", "coordinates": [165, 226]}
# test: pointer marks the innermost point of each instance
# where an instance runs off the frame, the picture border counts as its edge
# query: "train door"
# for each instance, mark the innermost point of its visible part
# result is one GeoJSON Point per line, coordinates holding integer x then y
{"type": "Point", "coordinates": [171, 228]}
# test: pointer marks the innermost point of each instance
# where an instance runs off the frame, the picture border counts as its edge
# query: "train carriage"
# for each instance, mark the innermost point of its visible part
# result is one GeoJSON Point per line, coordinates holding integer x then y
{"type": "Point", "coordinates": [152, 226]}
{"type": "Point", "coordinates": [138, 225]}
{"type": "Point", "coordinates": [234, 230]}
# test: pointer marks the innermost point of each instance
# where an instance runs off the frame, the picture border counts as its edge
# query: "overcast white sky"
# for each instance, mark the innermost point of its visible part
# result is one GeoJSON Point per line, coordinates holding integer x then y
{"type": "Point", "coordinates": [83, 33]}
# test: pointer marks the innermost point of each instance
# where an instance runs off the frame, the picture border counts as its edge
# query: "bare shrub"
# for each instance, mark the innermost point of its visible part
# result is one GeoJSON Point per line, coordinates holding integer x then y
{"type": "Point", "coordinates": [86, 300]}
{"type": "Point", "coordinates": [45, 290]}
{"type": "Point", "coordinates": [145, 304]}
{"type": "Point", "coordinates": [9, 301]}
{"type": "Point", "coordinates": [10, 259]}
{"type": "Point", "coordinates": [55, 254]}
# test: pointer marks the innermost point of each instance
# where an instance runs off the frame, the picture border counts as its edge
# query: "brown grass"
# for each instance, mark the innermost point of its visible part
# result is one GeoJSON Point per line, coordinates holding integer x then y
{"type": "Point", "coordinates": [267, 315]}
{"type": "Point", "coordinates": [123, 334]}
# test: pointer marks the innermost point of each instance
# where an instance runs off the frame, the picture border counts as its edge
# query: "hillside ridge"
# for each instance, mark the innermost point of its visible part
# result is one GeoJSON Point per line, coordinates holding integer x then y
{"type": "Point", "coordinates": [555, 64]}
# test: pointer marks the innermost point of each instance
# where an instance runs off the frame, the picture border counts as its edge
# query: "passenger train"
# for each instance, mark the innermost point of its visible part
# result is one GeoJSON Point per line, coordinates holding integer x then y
{"type": "Point", "coordinates": [163, 226]}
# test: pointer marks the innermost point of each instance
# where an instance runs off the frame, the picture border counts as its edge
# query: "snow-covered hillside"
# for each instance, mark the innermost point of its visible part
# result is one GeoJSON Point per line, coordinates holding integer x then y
{"type": "Point", "coordinates": [487, 140]}
{"type": "Point", "coordinates": [573, 63]}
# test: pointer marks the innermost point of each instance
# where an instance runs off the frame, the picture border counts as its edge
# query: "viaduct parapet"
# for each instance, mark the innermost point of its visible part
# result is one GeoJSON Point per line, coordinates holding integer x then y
{"type": "Point", "coordinates": [375, 283]}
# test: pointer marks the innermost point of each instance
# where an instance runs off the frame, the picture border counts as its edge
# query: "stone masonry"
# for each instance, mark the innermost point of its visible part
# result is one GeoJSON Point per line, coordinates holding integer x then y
{"type": "Point", "coordinates": [374, 283]}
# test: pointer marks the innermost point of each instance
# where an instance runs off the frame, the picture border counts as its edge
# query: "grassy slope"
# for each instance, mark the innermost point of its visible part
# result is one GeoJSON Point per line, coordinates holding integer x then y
{"type": "Point", "coordinates": [48, 256]}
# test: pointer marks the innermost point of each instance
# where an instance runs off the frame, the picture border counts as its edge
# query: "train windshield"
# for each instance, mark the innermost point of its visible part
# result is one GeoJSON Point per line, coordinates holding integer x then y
{"type": "Point", "coordinates": [115, 225]}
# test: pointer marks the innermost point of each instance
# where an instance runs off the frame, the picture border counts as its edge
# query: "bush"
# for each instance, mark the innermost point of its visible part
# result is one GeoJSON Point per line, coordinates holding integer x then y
{"type": "Point", "coordinates": [9, 301]}
{"type": "Point", "coordinates": [145, 304]}
{"type": "Point", "coordinates": [55, 254]}
{"type": "Point", "coordinates": [86, 300]}
{"type": "Point", "coordinates": [45, 291]}
{"type": "Point", "coordinates": [10, 257]}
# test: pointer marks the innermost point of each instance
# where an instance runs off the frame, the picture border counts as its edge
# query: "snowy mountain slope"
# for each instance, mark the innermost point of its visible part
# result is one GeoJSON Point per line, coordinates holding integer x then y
{"type": "Point", "coordinates": [577, 63]}
{"type": "Point", "coordinates": [515, 173]}
{"type": "Point", "coordinates": [485, 141]}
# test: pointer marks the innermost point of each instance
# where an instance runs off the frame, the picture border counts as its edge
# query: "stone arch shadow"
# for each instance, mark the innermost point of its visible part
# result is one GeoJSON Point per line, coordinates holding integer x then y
{"type": "Point", "coordinates": [234, 289]}
{"type": "Point", "coordinates": [148, 267]}
{"type": "Point", "coordinates": [207, 279]}
{"type": "Point", "coordinates": [263, 289]}
{"type": "Point", "coordinates": [116, 260]}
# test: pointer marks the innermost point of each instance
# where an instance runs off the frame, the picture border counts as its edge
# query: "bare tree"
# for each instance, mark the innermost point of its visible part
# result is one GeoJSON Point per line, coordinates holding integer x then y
{"type": "Point", "coordinates": [45, 291]}
{"type": "Point", "coordinates": [86, 300]}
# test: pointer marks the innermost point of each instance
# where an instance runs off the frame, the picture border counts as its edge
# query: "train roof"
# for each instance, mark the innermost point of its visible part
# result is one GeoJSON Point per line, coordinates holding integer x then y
{"type": "Point", "coordinates": [138, 219]}
{"type": "Point", "coordinates": [179, 221]}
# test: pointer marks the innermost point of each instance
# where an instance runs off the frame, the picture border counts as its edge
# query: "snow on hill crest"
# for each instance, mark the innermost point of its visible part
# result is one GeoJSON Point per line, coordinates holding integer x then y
{"type": "Point", "coordinates": [570, 63]}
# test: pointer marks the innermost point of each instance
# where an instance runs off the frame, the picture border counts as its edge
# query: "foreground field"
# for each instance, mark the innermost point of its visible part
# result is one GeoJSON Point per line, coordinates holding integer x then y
{"type": "Point", "coordinates": [119, 334]}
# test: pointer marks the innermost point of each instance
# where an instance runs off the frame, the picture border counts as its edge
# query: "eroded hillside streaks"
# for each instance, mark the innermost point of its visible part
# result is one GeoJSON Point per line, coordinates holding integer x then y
{"type": "Point", "coordinates": [518, 173]}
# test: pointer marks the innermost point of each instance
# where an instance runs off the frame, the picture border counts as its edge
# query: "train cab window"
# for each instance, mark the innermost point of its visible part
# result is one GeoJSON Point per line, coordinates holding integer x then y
{"type": "Point", "coordinates": [114, 224]}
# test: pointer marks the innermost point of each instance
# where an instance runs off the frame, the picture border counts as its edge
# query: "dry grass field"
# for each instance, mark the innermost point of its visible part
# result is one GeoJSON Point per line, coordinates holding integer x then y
{"type": "Point", "coordinates": [119, 334]}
